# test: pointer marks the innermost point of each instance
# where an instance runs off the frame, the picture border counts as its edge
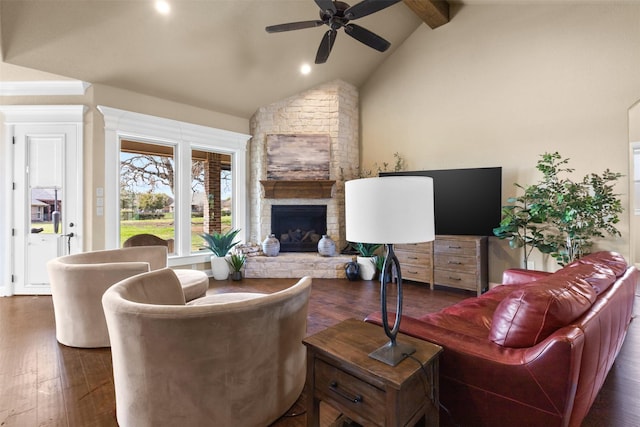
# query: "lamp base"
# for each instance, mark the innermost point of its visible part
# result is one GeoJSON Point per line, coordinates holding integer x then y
{"type": "Point", "coordinates": [392, 353]}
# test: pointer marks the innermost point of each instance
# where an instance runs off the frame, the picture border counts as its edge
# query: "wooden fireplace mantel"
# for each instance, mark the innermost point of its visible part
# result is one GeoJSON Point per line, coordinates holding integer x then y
{"type": "Point", "coordinates": [297, 189]}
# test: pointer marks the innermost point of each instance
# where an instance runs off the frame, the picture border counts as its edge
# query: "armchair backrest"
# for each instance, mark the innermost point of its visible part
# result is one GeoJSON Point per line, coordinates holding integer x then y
{"type": "Point", "coordinates": [78, 282]}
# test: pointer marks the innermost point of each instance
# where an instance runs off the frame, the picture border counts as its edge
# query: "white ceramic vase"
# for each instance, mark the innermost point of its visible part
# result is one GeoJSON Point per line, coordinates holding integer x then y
{"type": "Point", "coordinates": [367, 267]}
{"type": "Point", "coordinates": [326, 246]}
{"type": "Point", "coordinates": [220, 268]}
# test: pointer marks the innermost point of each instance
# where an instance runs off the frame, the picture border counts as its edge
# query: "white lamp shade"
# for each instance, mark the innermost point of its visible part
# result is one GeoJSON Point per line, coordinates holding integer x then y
{"type": "Point", "coordinates": [392, 209]}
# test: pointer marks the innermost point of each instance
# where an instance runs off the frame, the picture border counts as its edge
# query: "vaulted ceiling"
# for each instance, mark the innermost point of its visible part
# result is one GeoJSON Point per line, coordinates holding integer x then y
{"type": "Point", "coordinates": [213, 54]}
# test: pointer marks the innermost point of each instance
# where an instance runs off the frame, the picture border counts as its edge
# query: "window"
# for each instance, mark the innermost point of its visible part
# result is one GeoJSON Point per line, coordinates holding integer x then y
{"type": "Point", "coordinates": [173, 179]}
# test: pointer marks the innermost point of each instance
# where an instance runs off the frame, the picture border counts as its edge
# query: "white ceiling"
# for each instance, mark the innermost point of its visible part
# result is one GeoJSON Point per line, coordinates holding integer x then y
{"type": "Point", "coordinates": [213, 54]}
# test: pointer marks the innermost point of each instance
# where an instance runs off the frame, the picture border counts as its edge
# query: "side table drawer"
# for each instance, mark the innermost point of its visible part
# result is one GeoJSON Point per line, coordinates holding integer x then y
{"type": "Point", "coordinates": [358, 399]}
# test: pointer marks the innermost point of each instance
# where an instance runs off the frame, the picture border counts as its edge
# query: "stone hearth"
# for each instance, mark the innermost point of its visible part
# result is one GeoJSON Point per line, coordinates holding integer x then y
{"type": "Point", "coordinates": [297, 265]}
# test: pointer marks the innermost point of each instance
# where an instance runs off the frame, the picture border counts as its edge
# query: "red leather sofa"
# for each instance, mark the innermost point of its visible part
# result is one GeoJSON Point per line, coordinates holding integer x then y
{"type": "Point", "coordinates": [534, 351]}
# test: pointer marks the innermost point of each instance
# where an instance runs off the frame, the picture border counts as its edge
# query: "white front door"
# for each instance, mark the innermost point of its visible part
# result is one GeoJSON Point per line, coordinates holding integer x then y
{"type": "Point", "coordinates": [47, 200]}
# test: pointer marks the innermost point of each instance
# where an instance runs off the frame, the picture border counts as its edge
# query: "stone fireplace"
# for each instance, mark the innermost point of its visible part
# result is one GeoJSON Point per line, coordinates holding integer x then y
{"type": "Point", "coordinates": [330, 110]}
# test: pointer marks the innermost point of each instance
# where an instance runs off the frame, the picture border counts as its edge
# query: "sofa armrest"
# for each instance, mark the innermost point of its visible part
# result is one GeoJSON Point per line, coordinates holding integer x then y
{"type": "Point", "coordinates": [520, 276]}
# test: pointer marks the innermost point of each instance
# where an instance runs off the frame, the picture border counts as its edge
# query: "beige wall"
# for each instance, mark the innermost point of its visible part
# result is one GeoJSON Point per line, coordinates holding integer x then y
{"type": "Point", "coordinates": [634, 138]}
{"type": "Point", "coordinates": [502, 83]}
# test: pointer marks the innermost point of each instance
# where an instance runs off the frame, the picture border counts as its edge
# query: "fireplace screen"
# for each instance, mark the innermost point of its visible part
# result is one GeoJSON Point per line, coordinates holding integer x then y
{"type": "Point", "coordinates": [299, 227]}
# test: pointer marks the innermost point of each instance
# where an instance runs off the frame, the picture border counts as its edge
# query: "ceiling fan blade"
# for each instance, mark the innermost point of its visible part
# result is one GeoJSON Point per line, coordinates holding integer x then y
{"type": "Point", "coordinates": [326, 44]}
{"type": "Point", "coordinates": [293, 26]}
{"type": "Point", "coordinates": [326, 5]}
{"type": "Point", "coordinates": [367, 7]}
{"type": "Point", "coordinates": [367, 37]}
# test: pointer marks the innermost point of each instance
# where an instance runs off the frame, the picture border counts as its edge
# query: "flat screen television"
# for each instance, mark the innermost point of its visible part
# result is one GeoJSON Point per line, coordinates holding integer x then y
{"type": "Point", "coordinates": [466, 201]}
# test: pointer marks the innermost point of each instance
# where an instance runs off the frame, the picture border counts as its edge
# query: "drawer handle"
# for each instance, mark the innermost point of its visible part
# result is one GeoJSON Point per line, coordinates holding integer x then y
{"type": "Point", "coordinates": [455, 247]}
{"type": "Point", "coordinates": [413, 257]}
{"type": "Point", "coordinates": [353, 399]}
{"type": "Point", "coordinates": [455, 278]}
{"type": "Point", "coordinates": [455, 262]}
{"type": "Point", "coordinates": [412, 272]}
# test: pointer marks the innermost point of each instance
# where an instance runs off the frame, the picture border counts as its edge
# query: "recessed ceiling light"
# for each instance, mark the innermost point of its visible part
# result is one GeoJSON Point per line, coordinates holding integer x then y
{"type": "Point", "coordinates": [305, 69]}
{"type": "Point", "coordinates": [163, 7]}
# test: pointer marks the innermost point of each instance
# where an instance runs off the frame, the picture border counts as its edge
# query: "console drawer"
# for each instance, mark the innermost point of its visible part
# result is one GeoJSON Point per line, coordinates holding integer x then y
{"type": "Point", "coordinates": [416, 272]}
{"type": "Point", "coordinates": [455, 247]}
{"type": "Point", "coordinates": [456, 279]}
{"type": "Point", "coordinates": [414, 258]}
{"type": "Point", "coordinates": [463, 264]}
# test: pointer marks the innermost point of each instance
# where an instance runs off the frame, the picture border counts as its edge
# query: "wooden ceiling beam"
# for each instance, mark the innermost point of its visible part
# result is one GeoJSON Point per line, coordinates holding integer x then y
{"type": "Point", "coordinates": [434, 13]}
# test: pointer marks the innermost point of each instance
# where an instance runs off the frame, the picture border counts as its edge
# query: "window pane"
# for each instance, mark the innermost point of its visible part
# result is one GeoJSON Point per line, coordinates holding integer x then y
{"type": "Point", "coordinates": [211, 195]}
{"type": "Point", "coordinates": [46, 210]}
{"type": "Point", "coordinates": [147, 191]}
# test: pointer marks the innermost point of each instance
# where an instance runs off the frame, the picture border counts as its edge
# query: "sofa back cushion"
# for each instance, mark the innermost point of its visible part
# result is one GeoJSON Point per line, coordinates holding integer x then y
{"type": "Point", "coordinates": [613, 260]}
{"type": "Point", "coordinates": [599, 276]}
{"type": "Point", "coordinates": [532, 312]}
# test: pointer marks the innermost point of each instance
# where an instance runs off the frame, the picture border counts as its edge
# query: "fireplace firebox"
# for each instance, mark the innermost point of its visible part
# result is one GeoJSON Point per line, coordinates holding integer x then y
{"type": "Point", "coordinates": [299, 227]}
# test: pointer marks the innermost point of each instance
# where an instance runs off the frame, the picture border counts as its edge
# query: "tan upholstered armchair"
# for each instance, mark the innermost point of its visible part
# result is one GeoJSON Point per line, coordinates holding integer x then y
{"type": "Point", "coordinates": [78, 282]}
{"type": "Point", "coordinates": [222, 360]}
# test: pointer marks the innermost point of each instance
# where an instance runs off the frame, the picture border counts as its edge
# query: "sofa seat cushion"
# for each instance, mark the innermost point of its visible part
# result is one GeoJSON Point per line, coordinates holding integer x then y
{"type": "Point", "coordinates": [532, 312]}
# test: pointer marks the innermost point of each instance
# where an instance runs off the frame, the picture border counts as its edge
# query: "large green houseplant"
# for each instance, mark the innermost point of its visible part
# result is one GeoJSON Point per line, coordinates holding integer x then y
{"type": "Point", "coordinates": [220, 244]}
{"type": "Point", "coordinates": [559, 216]}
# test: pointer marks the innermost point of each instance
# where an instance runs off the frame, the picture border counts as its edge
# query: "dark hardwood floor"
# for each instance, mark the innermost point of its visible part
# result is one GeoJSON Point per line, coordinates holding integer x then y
{"type": "Point", "coordinates": [44, 383]}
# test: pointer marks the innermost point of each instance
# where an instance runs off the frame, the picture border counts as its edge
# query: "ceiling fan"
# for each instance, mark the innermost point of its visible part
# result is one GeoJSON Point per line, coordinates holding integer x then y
{"type": "Point", "coordinates": [337, 14]}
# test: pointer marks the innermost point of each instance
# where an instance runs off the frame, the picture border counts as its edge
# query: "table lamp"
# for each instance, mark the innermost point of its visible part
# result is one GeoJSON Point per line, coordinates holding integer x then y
{"type": "Point", "coordinates": [389, 210]}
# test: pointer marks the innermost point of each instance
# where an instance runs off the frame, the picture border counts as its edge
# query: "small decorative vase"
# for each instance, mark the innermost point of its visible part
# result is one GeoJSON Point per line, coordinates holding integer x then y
{"type": "Point", "coordinates": [236, 275]}
{"type": "Point", "coordinates": [367, 267]}
{"type": "Point", "coordinates": [352, 270]}
{"type": "Point", "coordinates": [271, 246]}
{"type": "Point", "coordinates": [219, 268]}
{"type": "Point", "coordinates": [326, 246]}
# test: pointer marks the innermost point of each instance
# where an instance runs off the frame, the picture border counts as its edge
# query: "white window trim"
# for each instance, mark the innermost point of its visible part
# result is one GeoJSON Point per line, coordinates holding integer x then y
{"type": "Point", "coordinates": [122, 124]}
{"type": "Point", "coordinates": [44, 88]}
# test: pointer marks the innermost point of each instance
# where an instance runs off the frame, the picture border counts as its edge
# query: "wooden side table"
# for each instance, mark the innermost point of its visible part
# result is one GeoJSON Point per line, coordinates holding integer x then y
{"type": "Point", "coordinates": [341, 373]}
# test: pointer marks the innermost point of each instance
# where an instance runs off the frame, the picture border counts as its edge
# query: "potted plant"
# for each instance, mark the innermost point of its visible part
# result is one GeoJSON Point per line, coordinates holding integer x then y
{"type": "Point", "coordinates": [559, 216]}
{"type": "Point", "coordinates": [220, 244]}
{"type": "Point", "coordinates": [366, 259]}
{"type": "Point", "coordinates": [236, 262]}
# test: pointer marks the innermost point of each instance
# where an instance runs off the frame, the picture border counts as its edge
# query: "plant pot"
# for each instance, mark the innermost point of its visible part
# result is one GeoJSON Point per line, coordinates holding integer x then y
{"type": "Point", "coordinates": [236, 275]}
{"type": "Point", "coordinates": [219, 268]}
{"type": "Point", "coordinates": [367, 267]}
{"type": "Point", "coordinates": [352, 270]}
